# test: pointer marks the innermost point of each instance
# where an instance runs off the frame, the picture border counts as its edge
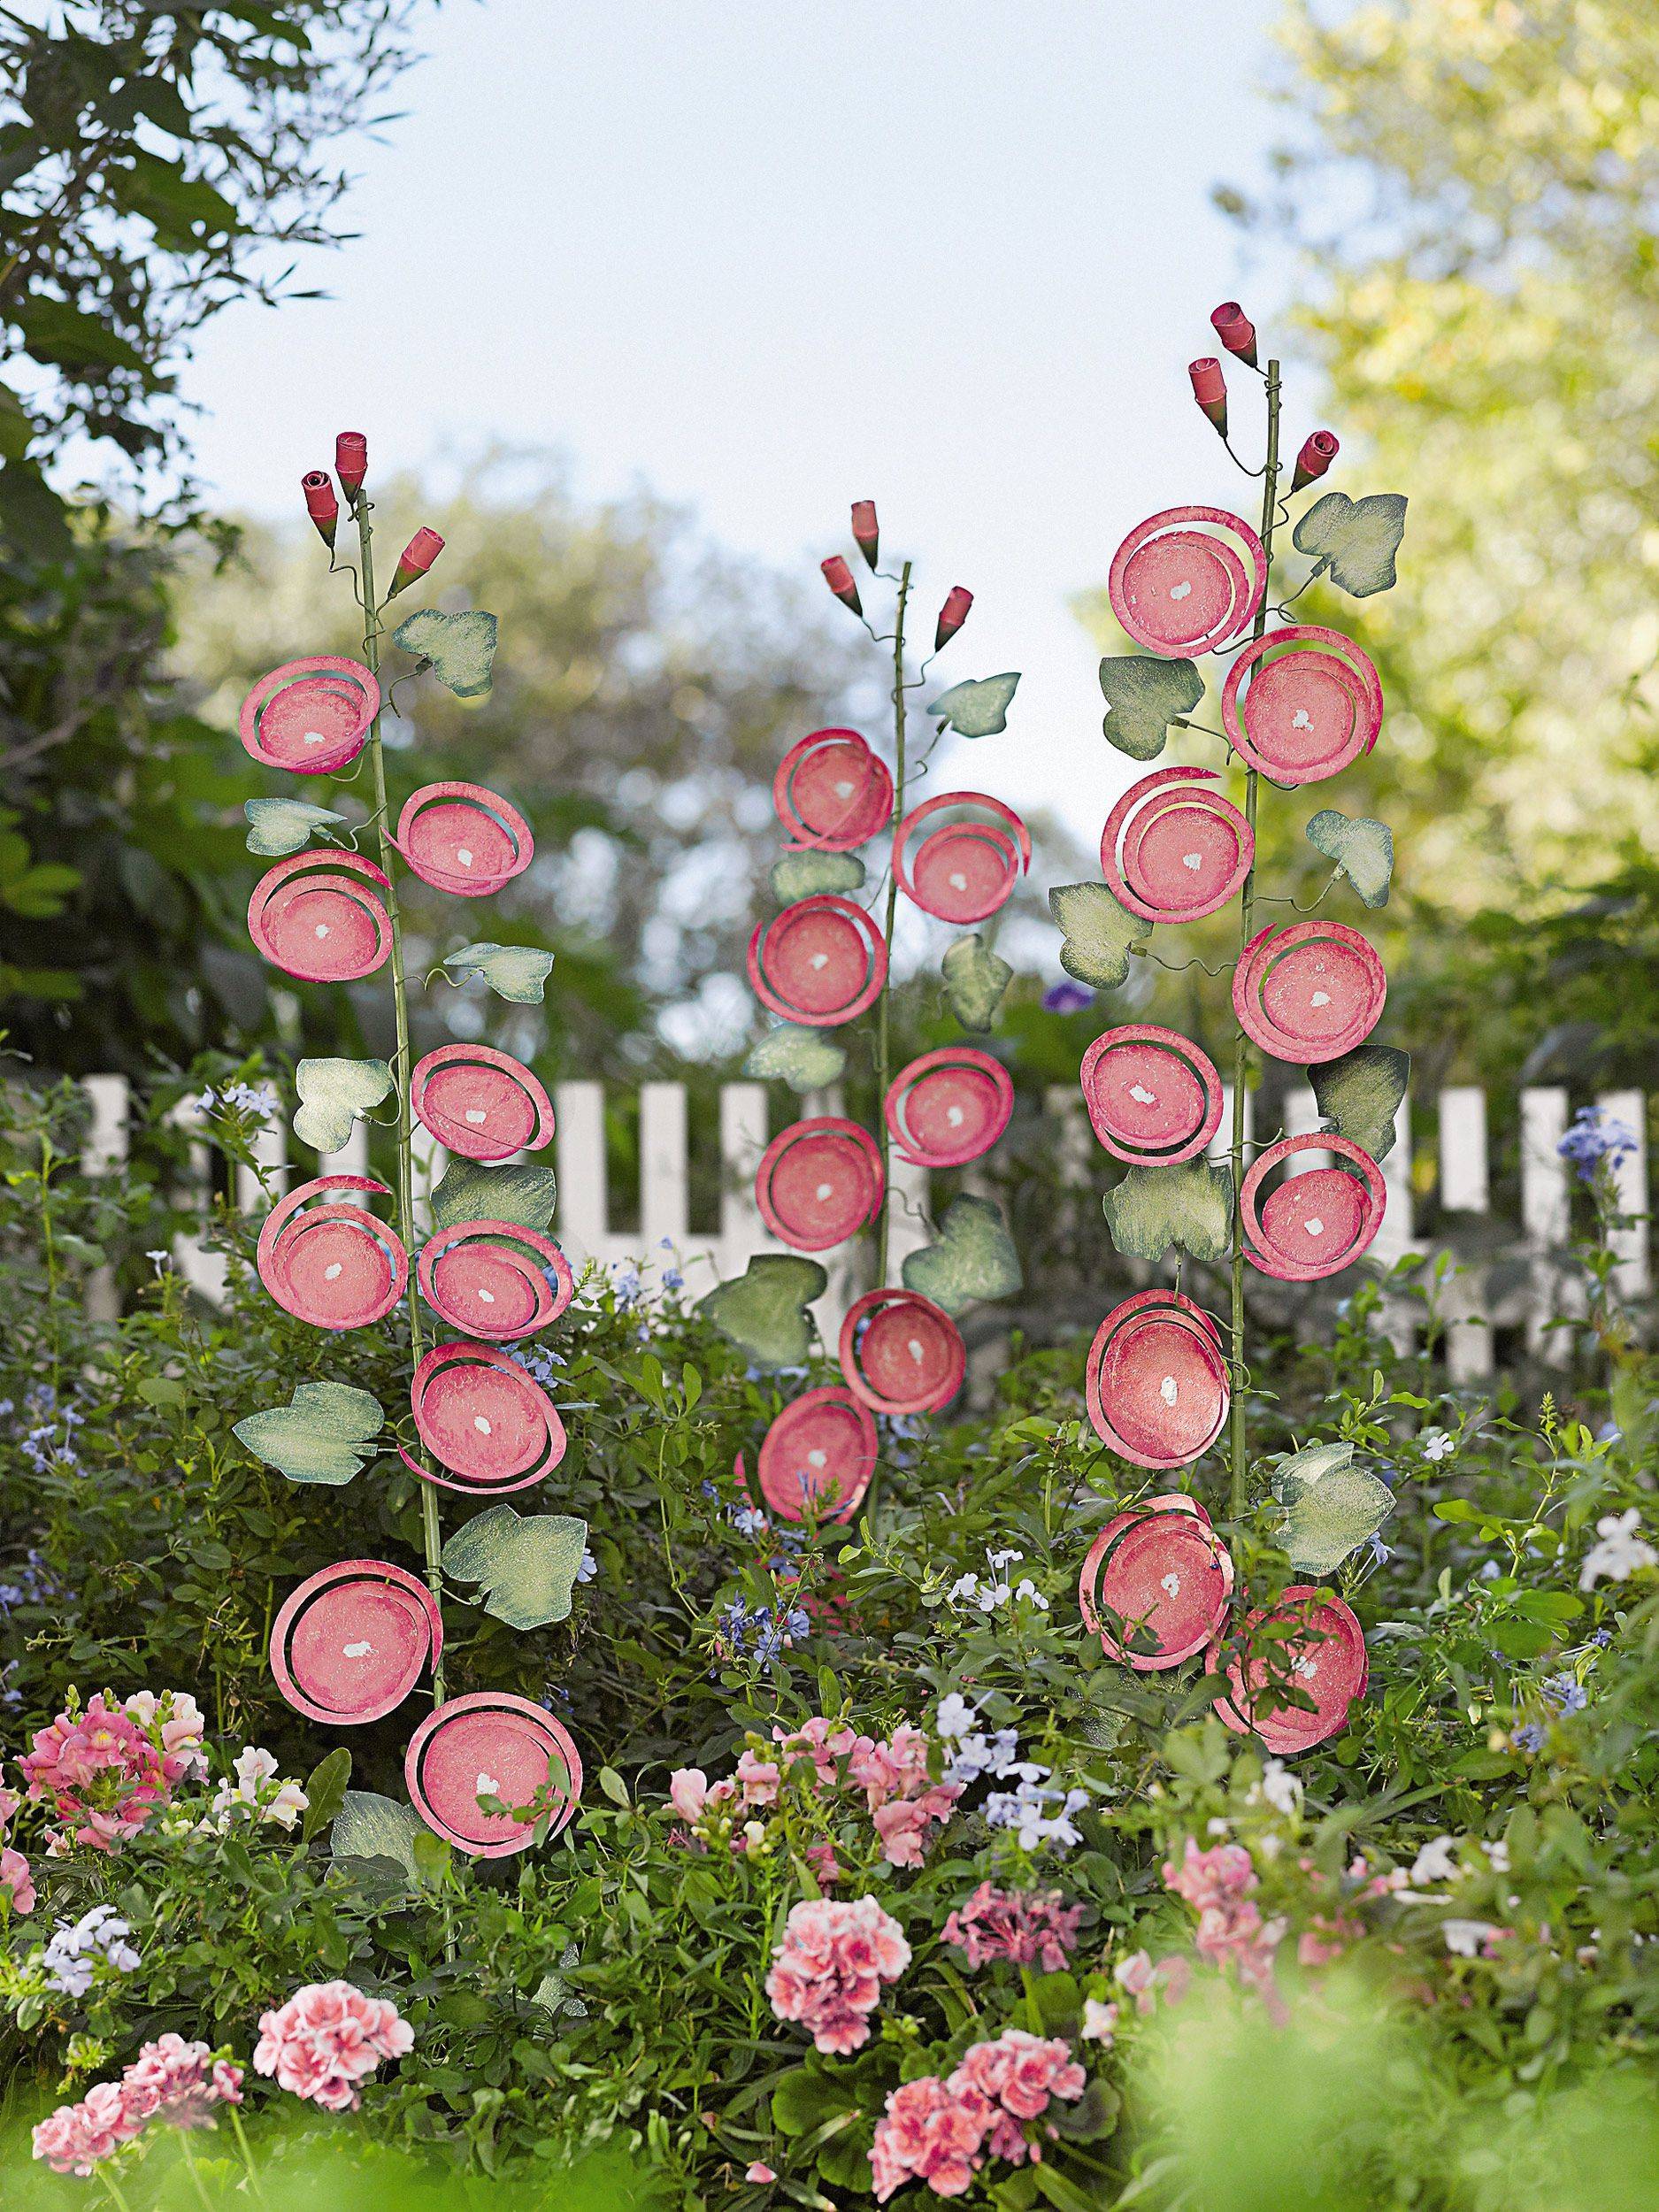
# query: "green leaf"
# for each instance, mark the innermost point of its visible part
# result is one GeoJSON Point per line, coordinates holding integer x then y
{"type": "Point", "coordinates": [333, 1093]}
{"type": "Point", "coordinates": [1143, 696]}
{"type": "Point", "coordinates": [807, 2098]}
{"type": "Point", "coordinates": [282, 825]}
{"type": "Point", "coordinates": [805, 1059]}
{"type": "Point", "coordinates": [1190, 1204]}
{"type": "Point", "coordinates": [525, 1563]}
{"type": "Point", "coordinates": [516, 972]}
{"type": "Point", "coordinates": [325, 1791]}
{"type": "Point", "coordinates": [974, 1259]}
{"type": "Point", "coordinates": [1330, 1506]}
{"type": "Point", "coordinates": [321, 1435]}
{"type": "Point", "coordinates": [1355, 540]}
{"type": "Point", "coordinates": [553, 1994]}
{"type": "Point", "coordinates": [977, 707]}
{"type": "Point", "coordinates": [459, 649]}
{"type": "Point", "coordinates": [1362, 849]}
{"type": "Point", "coordinates": [1099, 932]}
{"type": "Point", "coordinates": [32, 518]}
{"type": "Point", "coordinates": [1361, 1093]}
{"type": "Point", "coordinates": [975, 979]}
{"type": "Point", "coordinates": [803, 875]}
{"type": "Point", "coordinates": [523, 1196]}
{"type": "Point", "coordinates": [764, 1311]}
{"type": "Point", "coordinates": [369, 1826]}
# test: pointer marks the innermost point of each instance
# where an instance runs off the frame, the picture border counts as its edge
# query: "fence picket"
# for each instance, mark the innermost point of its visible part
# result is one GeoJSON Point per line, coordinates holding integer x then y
{"type": "Point", "coordinates": [1465, 1188]}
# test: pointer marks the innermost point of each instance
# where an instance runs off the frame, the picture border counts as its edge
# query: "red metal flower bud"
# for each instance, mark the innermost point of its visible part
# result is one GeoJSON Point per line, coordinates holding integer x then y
{"type": "Point", "coordinates": [351, 461]}
{"type": "Point", "coordinates": [1209, 389]}
{"type": "Point", "coordinates": [321, 505]}
{"type": "Point", "coordinates": [838, 577]}
{"type": "Point", "coordinates": [1316, 456]}
{"type": "Point", "coordinates": [415, 559]}
{"type": "Point", "coordinates": [952, 615]}
{"type": "Point", "coordinates": [865, 535]}
{"type": "Point", "coordinates": [1235, 330]}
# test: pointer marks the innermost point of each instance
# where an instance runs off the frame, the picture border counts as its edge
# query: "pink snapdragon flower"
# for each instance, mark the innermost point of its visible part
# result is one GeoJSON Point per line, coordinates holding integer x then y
{"type": "Point", "coordinates": [1211, 1879]}
{"type": "Point", "coordinates": [688, 1793]}
{"type": "Point", "coordinates": [1231, 1932]}
{"type": "Point", "coordinates": [179, 2082]}
{"type": "Point", "coordinates": [1137, 1977]}
{"type": "Point", "coordinates": [826, 1743]}
{"type": "Point", "coordinates": [1027, 1927]}
{"type": "Point", "coordinates": [327, 2038]}
{"type": "Point", "coordinates": [103, 1773]}
{"type": "Point", "coordinates": [758, 1779]}
{"type": "Point", "coordinates": [16, 1884]}
{"type": "Point", "coordinates": [828, 1970]}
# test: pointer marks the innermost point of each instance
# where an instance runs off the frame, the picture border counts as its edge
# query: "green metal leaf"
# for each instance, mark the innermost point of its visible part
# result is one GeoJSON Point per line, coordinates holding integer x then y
{"type": "Point", "coordinates": [516, 972]}
{"type": "Point", "coordinates": [521, 1195]}
{"type": "Point", "coordinates": [1330, 1506]}
{"type": "Point", "coordinates": [325, 1791]}
{"type": "Point", "coordinates": [1099, 932]}
{"type": "Point", "coordinates": [974, 1259]}
{"type": "Point", "coordinates": [764, 1311]}
{"type": "Point", "coordinates": [1361, 848]}
{"type": "Point", "coordinates": [1143, 696]}
{"type": "Point", "coordinates": [322, 1435]}
{"type": "Point", "coordinates": [1355, 540]}
{"type": "Point", "coordinates": [1361, 1094]}
{"type": "Point", "coordinates": [977, 707]}
{"type": "Point", "coordinates": [334, 1094]}
{"type": "Point", "coordinates": [805, 1059]}
{"type": "Point", "coordinates": [525, 1563]}
{"type": "Point", "coordinates": [369, 1826]}
{"type": "Point", "coordinates": [553, 1994]}
{"type": "Point", "coordinates": [1190, 1205]}
{"type": "Point", "coordinates": [459, 649]}
{"type": "Point", "coordinates": [802, 875]}
{"type": "Point", "coordinates": [282, 825]}
{"type": "Point", "coordinates": [975, 979]}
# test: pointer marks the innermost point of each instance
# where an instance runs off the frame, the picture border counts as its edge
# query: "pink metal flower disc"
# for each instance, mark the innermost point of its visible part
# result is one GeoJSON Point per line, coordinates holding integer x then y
{"type": "Point", "coordinates": [489, 1426]}
{"type": "Point", "coordinates": [351, 1643]}
{"type": "Point", "coordinates": [1151, 1095]}
{"type": "Point", "coordinates": [820, 962]}
{"type": "Point", "coordinates": [1309, 993]}
{"type": "Point", "coordinates": [966, 868]}
{"type": "Point", "coordinates": [819, 1182]}
{"type": "Point", "coordinates": [832, 792]}
{"type": "Point", "coordinates": [332, 1265]}
{"type": "Point", "coordinates": [463, 839]}
{"type": "Point", "coordinates": [1306, 714]}
{"type": "Point", "coordinates": [951, 1106]}
{"type": "Point", "coordinates": [490, 1744]}
{"type": "Point", "coordinates": [1323, 1655]}
{"type": "Point", "coordinates": [900, 1353]}
{"type": "Point", "coordinates": [311, 717]}
{"type": "Point", "coordinates": [1172, 850]}
{"type": "Point", "coordinates": [317, 917]}
{"type": "Point", "coordinates": [1166, 1576]}
{"type": "Point", "coordinates": [495, 1280]}
{"type": "Point", "coordinates": [1156, 1386]}
{"type": "Point", "coordinates": [1179, 587]}
{"type": "Point", "coordinates": [480, 1102]}
{"type": "Point", "coordinates": [819, 1452]}
{"type": "Point", "coordinates": [1313, 1224]}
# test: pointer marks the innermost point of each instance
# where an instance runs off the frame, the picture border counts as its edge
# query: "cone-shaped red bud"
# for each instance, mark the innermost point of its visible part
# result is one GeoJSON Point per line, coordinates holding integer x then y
{"type": "Point", "coordinates": [351, 461]}
{"type": "Point", "coordinates": [1316, 456]}
{"type": "Point", "coordinates": [320, 504]}
{"type": "Point", "coordinates": [1209, 389]}
{"type": "Point", "coordinates": [415, 559]}
{"type": "Point", "coordinates": [952, 615]}
{"type": "Point", "coordinates": [838, 577]}
{"type": "Point", "coordinates": [865, 535]}
{"type": "Point", "coordinates": [1235, 330]}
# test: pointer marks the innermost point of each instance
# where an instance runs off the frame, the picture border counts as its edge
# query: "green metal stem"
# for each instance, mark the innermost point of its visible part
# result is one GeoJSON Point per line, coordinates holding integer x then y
{"type": "Point", "coordinates": [884, 1070]}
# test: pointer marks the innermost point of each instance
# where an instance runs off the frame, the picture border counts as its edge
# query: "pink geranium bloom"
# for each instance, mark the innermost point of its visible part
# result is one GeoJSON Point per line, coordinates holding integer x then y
{"type": "Point", "coordinates": [180, 2082]}
{"type": "Point", "coordinates": [1025, 1927]}
{"type": "Point", "coordinates": [931, 2132]}
{"type": "Point", "coordinates": [77, 2138]}
{"type": "Point", "coordinates": [329, 2037]}
{"type": "Point", "coordinates": [828, 1970]}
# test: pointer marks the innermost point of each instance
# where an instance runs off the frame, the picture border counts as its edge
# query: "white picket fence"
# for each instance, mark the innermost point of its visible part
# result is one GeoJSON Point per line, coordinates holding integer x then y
{"type": "Point", "coordinates": [706, 1255]}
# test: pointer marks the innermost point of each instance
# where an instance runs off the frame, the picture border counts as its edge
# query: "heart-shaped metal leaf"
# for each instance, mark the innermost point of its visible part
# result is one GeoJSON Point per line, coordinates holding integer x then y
{"type": "Point", "coordinates": [519, 972]}
{"type": "Point", "coordinates": [764, 1311]}
{"type": "Point", "coordinates": [1143, 696]}
{"type": "Point", "coordinates": [1155, 1207]}
{"type": "Point", "coordinates": [523, 1196]}
{"type": "Point", "coordinates": [1362, 849]}
{"type": "Point", "coordinates": [334, 1094]}
{"type": "Point", "coordinates": [282, 825]}
{"type": "Point", "coordinates": [1099, 932]}
{"type": "Point", "coordinates": [322, 1435]}
{"type": "Point", "coordinates": [805, 1059]}
{"type": "Point", "coordinates": [1354, 540]}
{"type": "Point", "coordinates": [459, 649]}
{"type": "Point", "coordinates": [974, 1259]}
{"type": "Point", "coordinates": [526, 1563]}
{"type": "Point", "coordinates": [975, 979]}
{"type": "Point", "coordinates": [803, 875]}
{"type": "Point", "coordinates": [977, 707]}
{"type": "Point", "coordinates": [1361, 1094]}
{"type": "Point", "coordinates": [1330, 1506]}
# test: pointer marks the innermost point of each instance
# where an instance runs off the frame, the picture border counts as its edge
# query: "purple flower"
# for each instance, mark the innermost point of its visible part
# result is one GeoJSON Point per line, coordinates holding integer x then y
{"type": "Point", "coordinates": [1067, 998]}
{"type": "Point", "coordinates": [1594, 1137]}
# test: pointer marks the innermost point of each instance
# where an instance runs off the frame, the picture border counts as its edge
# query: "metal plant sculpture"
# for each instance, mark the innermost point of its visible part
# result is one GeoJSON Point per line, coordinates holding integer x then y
{"type": "Point", "coordinates": [822, 964]}
{"type": "Point", "coordinates": [490, 1773]}
{"type": "Point", "coordinates": [1166, 1380]}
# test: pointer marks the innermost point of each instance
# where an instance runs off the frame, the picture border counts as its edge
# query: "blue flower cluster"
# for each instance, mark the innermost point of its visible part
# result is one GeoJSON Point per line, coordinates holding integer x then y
{"type": "Point", "coordinates": [1594, 1137]}
{"type": "Point", "coordinates": [48, 1438]}
{"type": "Point", "coordinates": [76, 1947]}
{"type": "Point", "coordinates": [744, 1628]}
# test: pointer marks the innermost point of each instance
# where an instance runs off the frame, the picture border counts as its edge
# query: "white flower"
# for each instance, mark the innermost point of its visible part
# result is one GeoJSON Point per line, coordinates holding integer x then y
{"type": "Point", "coordinates": [256, 1790]}
{"type": "Point", "coordinates": [955, 1717]}
{"type": "Point", "coordinates": [1280, 1788]}
{"type": "Point", "coordinates": [1032, 1595]}
{"type": "Point", "coordinates": [1100, 2021]}
{"type": "Point", "coordinates": [1436, 1444]}
{"type": "Point", "coordinates": [1620, 1552]}
{"type": "Point", "coordinates": [963, 1590]}
{"type": "Point", "coordinates": [1436, 1862]}
{"type": "Point", "coordinates": [1001, 1559]}
{"type": "Point", "coordinates": [1499, 1854]}
{"type": "Point", "coordinates": [1465, 1937]}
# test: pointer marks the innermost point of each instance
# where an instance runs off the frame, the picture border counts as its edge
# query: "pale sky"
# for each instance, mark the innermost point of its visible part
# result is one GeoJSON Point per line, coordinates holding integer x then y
{"type": "Point", "coordinates": [766, 256]}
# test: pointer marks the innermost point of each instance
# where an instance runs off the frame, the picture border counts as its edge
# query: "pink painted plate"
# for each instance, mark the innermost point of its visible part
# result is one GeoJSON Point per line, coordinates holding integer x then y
{"type": "Point", "coordinates": [1302, 703]}
{"type": "Point", "coordinates": [820, 962]}
{"type": "Point", "coordinates": [821, 1449]}
{"type": "Point", "coordinates": [1157, 1389]}
{"type": "Point", "coordinates": [311, 717]}
{"type": "Point", "coordinates": [1309, 993]}
{"type": "Point", "coordinates": [490, 1744]}
{"type": "Point", "coordinates": [1325, 1657]}
{"type": "Point", "coordinates": [951, 1106]}
{"type": "Point", "coordinates": [480, 1103]}
{"type": "Point", "coordinates": [490, 1427]}
{"type": "Point", "coordinates": [333, 1265]}
{"type": "Point", "coordinates": [819, 1183]}
{"type": "Point", "coordinates": [967, 868]}
{"type": "Point", "coordinates": [1314, 1224]}
{"type": "Point", "coordinates": [1151, 1095]}
{"type": "Point", "coordinates": [1172, 850]}
{"type": "Point", "coordinates": [318, 916]}
{"type": "Point", "coordinates": [463, 839]}
{"type": "Point", "coordinates": [1166, 1576]}
{"type": "Point", "coordinates": [900, 1354]}
{"type": "Point", "coordinates": [832, 792]}
{"type": "Point", "coordinates": [352, 1641]}
{"type": "Point", "coordinates": [495, 1280]}
{"type": "Point", "coordinates": [1178, 583]}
